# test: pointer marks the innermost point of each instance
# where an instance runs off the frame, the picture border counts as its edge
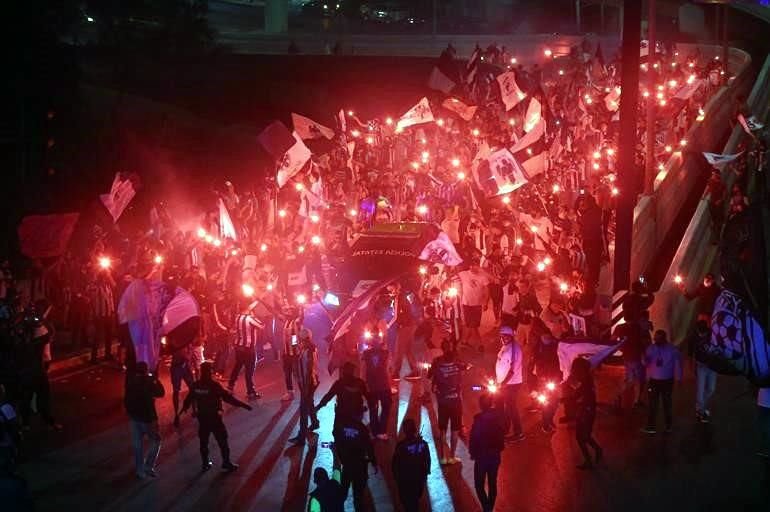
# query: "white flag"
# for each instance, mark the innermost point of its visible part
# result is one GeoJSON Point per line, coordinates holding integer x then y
{"type": "Point", "coordinates": [719, 161]}
{"type": "Point", "coordinates": [418, 114]}
{"type": "Point", "coordinates": [341, 120]}
{"type": "Point", "coordinates": [309, 129]}
{"type": "Point", "coordinates": [531, 137]}
{"type": "Point", "coordinates": [506, 171]}
{"type": "Point", "coordinates": [120, 195]}
{"type": "Point", "coordinates": [466, 112]}
{"type": "Point", "coordinates": [535, 165]}
{"type": "Point", "coordinates": [441, 250]}
{"type": "Point", "coordinates": [226, 227]}
{"type": "Point", "coordinates": [509, 90]}
{"type": "Point", "coordinates": [293, 160]}
{"type": "Point", "coordinates": [611, 101]}
{"type": "Point", "coordinates": [534, 114]}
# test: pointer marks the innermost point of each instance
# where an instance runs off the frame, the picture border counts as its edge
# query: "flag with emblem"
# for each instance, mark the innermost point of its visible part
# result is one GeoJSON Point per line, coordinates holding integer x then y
{"type": "Point", "coordinates": [306, 128]}
{"type": "Point", "coordinates": [418, 114]}
{"type": "Point", "coordinates": [120, 195]}
{"type": "Point", "coordinates": [510, 92]}
{"type": "Point", "coordinates": [466, 112]}
{"type": "Point", "coordinates": [292, 161]}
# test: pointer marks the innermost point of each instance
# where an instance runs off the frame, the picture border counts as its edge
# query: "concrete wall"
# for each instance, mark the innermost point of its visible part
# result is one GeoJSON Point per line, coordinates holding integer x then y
{"type": "Point", "coordinates": [654, 215]}
{"type": "Point", "coordinates": [696, 253]}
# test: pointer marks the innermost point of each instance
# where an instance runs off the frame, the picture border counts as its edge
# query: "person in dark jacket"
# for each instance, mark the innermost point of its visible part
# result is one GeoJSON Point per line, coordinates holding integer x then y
{"type": "Point", "coordinates": [206, 397]}
{"type": "Point", "coordinates": [353, 444]}
{"type": "Point", "coordinates": [142, 388]}
{"type": "Point", "coordinates": [350, 392]}
{"type": "Point", "coordinates": [548, 376]}
{"type": "Point", "coordinates": [328, 495]}
{"type": "Point", "coordinates": [580, 385]}
{"type": "Point", "coordinates": [487, 441]}
{"type": "Point", "coordinates": [411, 466]}
{"type": "Point", "coordinates": [592, 233]}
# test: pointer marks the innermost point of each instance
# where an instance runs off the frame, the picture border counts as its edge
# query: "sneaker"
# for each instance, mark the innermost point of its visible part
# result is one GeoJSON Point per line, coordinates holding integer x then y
{"type": "Point", "coordinates": [315, 425]}
{"type": "Point", "coordinates": [254, 395]}
{"type": "Point", "coordinates": [648, 430]}
{"type": "Point", "coordinates": [396, 377]}
{"type": "Point", "coordinates": [383, 437]}
{"type": "Point", "coordinates": [206, 465]}
{"type": "Point", "coordinates": [297, 440]}
{"type": "Point", "coordinates": [514, 438]}
{"type": "Point", "coordinates": [151, 473]}
{"type": "Point", "coordinates": [229, 466]}
{"type": "Point", "coordinates": [452, 461]}
{"type": "Point", "coordinates": [288, 397]}
{"type": "Point", "coordinates": [413, 376]}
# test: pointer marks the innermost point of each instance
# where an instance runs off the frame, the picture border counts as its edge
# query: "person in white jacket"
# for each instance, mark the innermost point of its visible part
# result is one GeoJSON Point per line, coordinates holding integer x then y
{"type": "Point", "coordinates": [509, 375]}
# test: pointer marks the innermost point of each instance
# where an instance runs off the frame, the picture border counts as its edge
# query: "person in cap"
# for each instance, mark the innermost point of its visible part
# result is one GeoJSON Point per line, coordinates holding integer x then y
{"type": "Point", "coordinates": [509, 375]}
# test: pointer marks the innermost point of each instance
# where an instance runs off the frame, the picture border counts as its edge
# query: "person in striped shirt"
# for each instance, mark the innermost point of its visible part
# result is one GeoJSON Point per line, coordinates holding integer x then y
{"type": "Point", "coordinates": [247, 329]}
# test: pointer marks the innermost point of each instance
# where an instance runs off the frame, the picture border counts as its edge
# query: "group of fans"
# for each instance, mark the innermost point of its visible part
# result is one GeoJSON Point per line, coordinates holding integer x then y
{"type": "Point", "coordinates": [533, 256]}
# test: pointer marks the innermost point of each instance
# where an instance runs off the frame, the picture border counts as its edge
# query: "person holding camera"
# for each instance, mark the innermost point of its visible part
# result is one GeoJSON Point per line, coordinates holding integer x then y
{"type": "Point", "coordinates": [142, 388]}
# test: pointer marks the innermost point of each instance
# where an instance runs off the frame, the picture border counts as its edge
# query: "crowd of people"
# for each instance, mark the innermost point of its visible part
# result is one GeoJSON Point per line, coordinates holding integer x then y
{"type": "Point", "coordinates": [533, 256]}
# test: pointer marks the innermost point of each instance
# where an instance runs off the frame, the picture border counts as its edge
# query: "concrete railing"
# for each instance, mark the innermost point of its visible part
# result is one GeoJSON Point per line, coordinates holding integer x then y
{"type": "Point", "coordinates": [655, 215]}
{"type": "Point", "coordinates": [697, 253]}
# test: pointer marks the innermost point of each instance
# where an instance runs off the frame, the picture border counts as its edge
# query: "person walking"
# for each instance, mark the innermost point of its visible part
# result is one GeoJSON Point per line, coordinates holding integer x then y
{"type": "Point", "coordinates": [351, 392]}
{"type": "Point", "coordinates": [663, 363]}
{"type": "Point", "coordinates": [580, 385]}
{"type": "Point", "coordinates": [411, 466]}
{"type": "Point", "coordinates": [353, 445]}
{"type": "Point", "coordinates": [291, 347]}
{"type": "Point", "coordinates": [406, 325]}
{"type": "Point", "coordinates": [206, 397]}
{"type": "Point", "coordinates": [142, 389]}
{"type": "Point", "coordinates": [446, 376]}
{"type": "Point", "coordinates": [487, 441]}
{"type": "Point", "coordinates": [306, 374]}
{"type": "Point", "coordinates": [509, 374]}
{"type": "Point", "coordinates": [475, 299]}
{"type": "Point", "coordinates": [246, 339]}
{"type": "Point", "coordinates": [376, 362]}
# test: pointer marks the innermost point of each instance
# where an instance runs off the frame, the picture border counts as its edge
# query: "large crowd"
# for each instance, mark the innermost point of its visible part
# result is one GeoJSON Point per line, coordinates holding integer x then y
{"type": "Point", "coordinates": [534, 256]}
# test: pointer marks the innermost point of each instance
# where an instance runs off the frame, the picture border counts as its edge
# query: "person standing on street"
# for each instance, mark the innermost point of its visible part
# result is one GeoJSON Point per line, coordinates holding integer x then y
{"type": "Point", "coordinates": [509, 374]}
{"type": "Point", "coordinates": [306, 373]}
{"type": "Point", "coordinates": [180, 370]}
{"type": "Point", "coordinates": [705, 377]}
{"type": "Point", "coordinates": [376, 362]}
{"type": "Point", "coordinates": [142, 388]}
{"type": "Point", "coordinates": [350, 392]}
{"type": "Point", "coordinates": [290, 351]}
{"type": "Point", "coordinates": [246, 338]}
{"type": "Point", "coordinates": [206, 397]}
{"type": "Point", "coordinates": [353, 445]}
{"type": "Point", "coordinates": [580, 385]}
{"type": "Point", "coordinates": [475, 297]}
{"type": "Point", "coordinates": [446, 375]}
{"type": "Point", "coordinates": [406, 326]}
{"type": "Point", "coordinates": [487, 441]}
{"type": "Point", "coordinates": [103, 304]}
{"type": "Point", "coordinates": [411, 466]}
{"type": "Point", "coordinates": [663, 363]}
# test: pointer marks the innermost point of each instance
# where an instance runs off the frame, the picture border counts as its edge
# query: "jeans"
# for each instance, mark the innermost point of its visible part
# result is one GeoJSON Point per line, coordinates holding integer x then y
{"type": "Point", "coordinates": [706, 379]}
{"type": "Point", "coordinates": [508, 399]}
{"type": "Point", "coordinates": [244, 358]}
{"type": "Point", "coordinates": [306, 410]}
{"type": "Point", "coordinates": [288, 370]}
{"type": "Point", "coordinates": [485, 472]}
{"type": "Point", "coordinates": [378, 416]}
{"type": "Point", "coordinates": [660, 389]}
{"type": "Point", "coordinates": [140, 429]}
{"type": "Point", "coordinates": [355, 473]}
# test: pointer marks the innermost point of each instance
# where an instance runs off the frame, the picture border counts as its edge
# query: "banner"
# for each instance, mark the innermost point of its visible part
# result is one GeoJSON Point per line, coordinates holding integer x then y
{"type": "Point", "coordinates": [226, 228]}
{"type": "Point", "coordinates": [309, 129]}
{"type": "Point", "coordinates": [418, 114]}
{"type": "Point", "coordinates": [538, 164]}
{"type": "Point", "coordinates": [510, 92]}
{"type": "Point", "coordinates": [719, 161]}
{"type": "Point", "coordinates": [505, 171]}
{"type": "Point", "coordinates": [441, 250]}
{"type": "Point", "coordinates": [534, 115]}
{"type": "Point", "coordinates": [438, 81]}
{"type": "Point", "coordinates": [120, 195]}
{"type": "Point", "coordinates": [46, 236]}
{"type": "Point", "coordinates": [466, 112]}
{"type": "Point", "coordinates": [291, 163]}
